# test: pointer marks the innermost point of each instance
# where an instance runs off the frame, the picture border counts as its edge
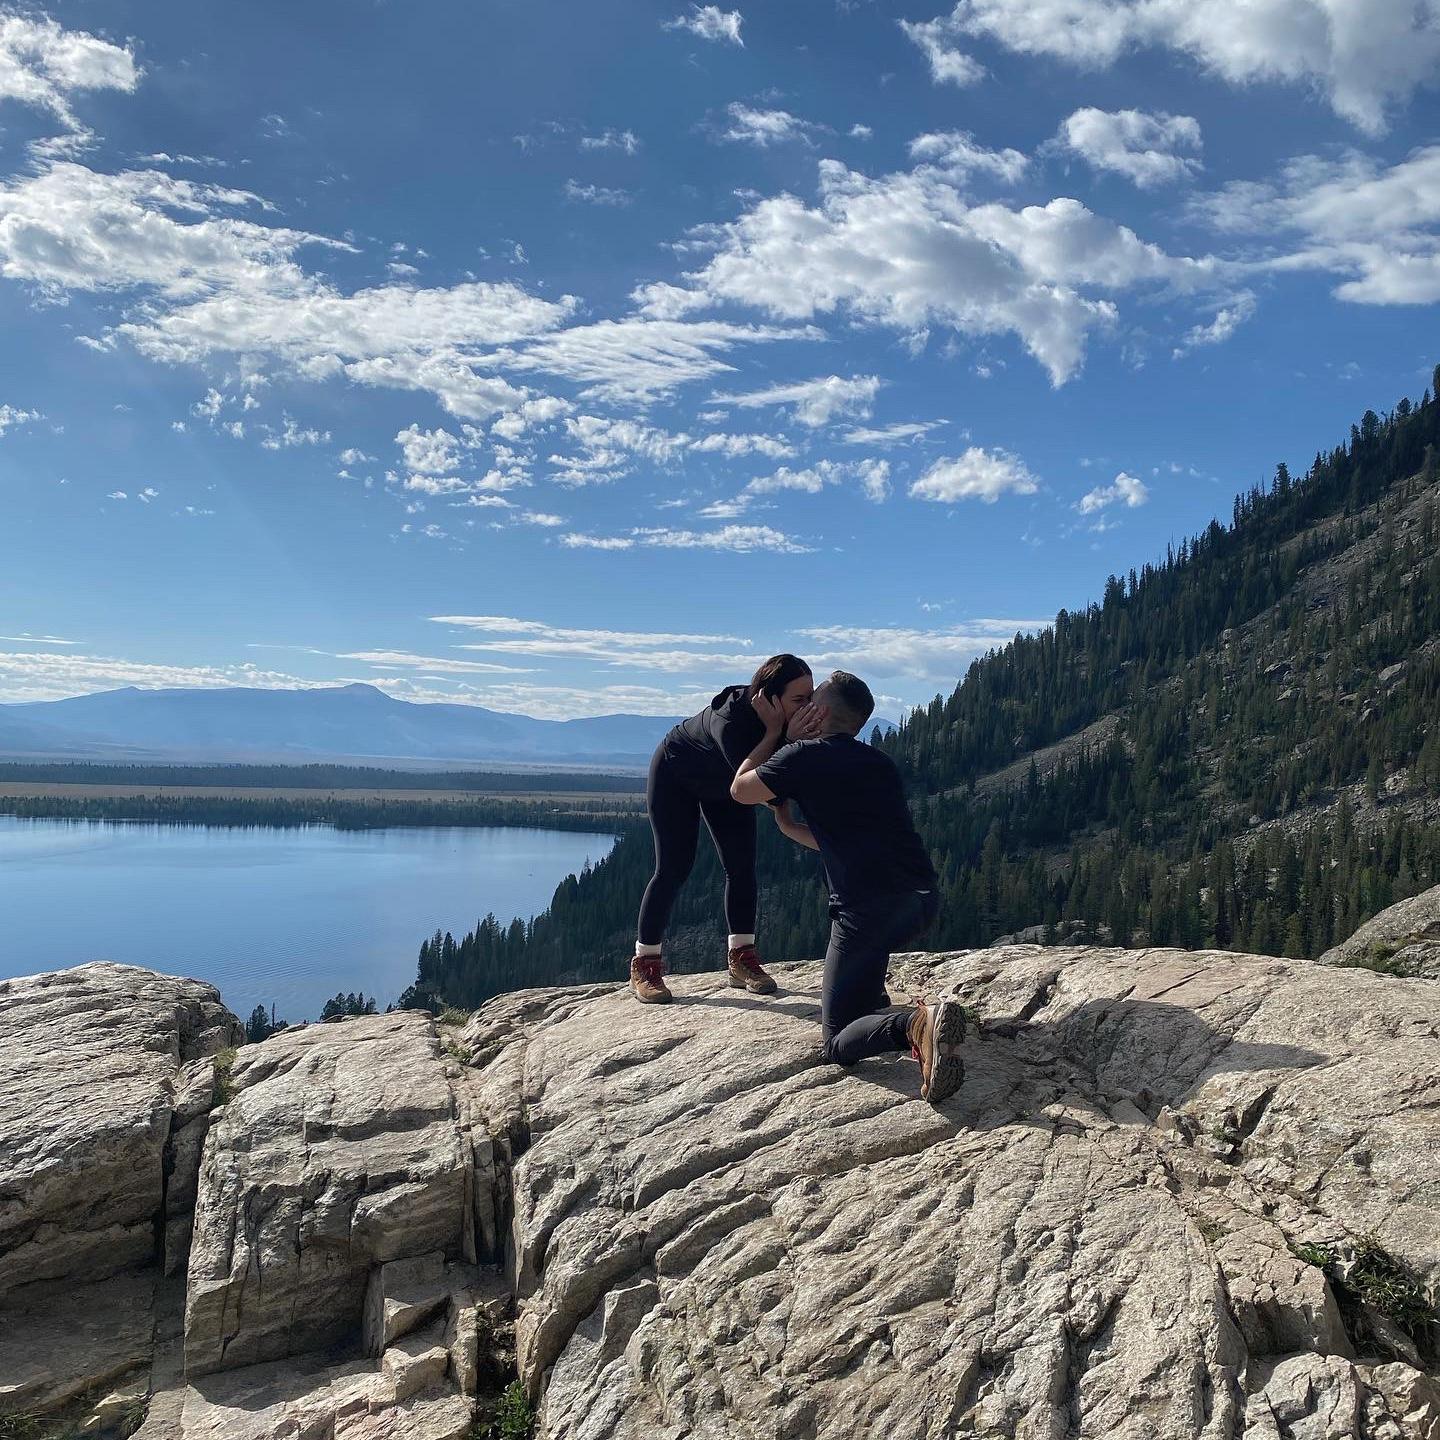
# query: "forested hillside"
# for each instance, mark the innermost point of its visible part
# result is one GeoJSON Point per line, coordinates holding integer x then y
{"type": "Point", "coordinates": [1236, 746]}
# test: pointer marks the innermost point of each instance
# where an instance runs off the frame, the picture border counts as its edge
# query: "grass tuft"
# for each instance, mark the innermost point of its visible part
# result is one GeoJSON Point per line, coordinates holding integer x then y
{"type": "Point", "coordinates": [224, 1082]}
{"type": "Point", "coordinates": [510, 1418]}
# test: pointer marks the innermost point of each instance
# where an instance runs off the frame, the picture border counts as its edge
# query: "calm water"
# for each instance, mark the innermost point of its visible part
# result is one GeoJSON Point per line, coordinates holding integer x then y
{"type": "Point", "coordinates": [289, 916]}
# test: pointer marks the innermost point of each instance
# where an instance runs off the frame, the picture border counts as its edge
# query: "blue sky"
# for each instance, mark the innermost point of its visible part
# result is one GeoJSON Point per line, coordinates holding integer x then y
{"type": "Point", "coordinates": [570, 358]}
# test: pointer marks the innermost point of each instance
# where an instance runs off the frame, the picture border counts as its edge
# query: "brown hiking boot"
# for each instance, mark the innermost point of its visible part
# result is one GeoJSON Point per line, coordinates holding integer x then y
{"type": "Point", "coordinates": [746, 974]}
{"type": "Point", "coordinates": [647, 980]}
{"type": "Point", "coordinates": [936, 1033]}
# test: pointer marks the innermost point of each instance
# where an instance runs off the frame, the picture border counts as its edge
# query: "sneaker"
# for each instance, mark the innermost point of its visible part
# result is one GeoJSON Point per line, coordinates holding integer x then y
{"type": "Point", "coordinates": [936, 1035]}
{"type": "Point", "coordinates": [746, 974]}
{"type": "Point", "coordinates": [647, 980]}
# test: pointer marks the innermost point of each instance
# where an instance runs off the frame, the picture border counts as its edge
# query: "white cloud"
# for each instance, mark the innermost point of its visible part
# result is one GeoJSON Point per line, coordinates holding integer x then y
{"type": "Point", "coordinates": [947, 64]}
{"type": "Point", "coordinates": [810, 481]}
{"type": "Point", "coordinates": [448, 485]}
{"type": "Point", "coordinates": [292, 434]}
{"type": "Point", "coordinates": [1124, 490]}
{"type": "Point", "coordinates": [597, 542]}
{"type": "Point", "coordinates": [731, 509]}
{"type": "Point", "coordinates": [44, 65]}
{"type": "Point", "coordinates": [26, 676]}
{"type": "Point", "coordinates": [1366, 59]}
{"type": "Point", "coordinates": [764, 128]}
{"type": "Point", "coordinates": [740, 539]}
{"type": "Point", "coordinates": [908, 250]}
{"type": "Point", "coordinates": [894, 434]}
{"type": "Point", "coordinates": [37, 640]}
{"type": "Point", "coordinates": [1146, 148]}
{"type": "Point", "coordinates": [957, 154]}
{"type": "Point", "coordinates": [352, 456]}
{"type": "Point", "coordinates": [1376, 225]}
{"type": "Point", "coordinates": [912, 654]}
{"type": "Point", "coordinates": [815, 402]}
{"type": "Point", "coordinates": [607, 442]}
{"type": "Point", "coordinates": [625, 140]}
{"type": "Point", "coordinates": [875, 479]}
{"type": "Point", "coordinates": [861, 132]}
{"type": "Point", "coordinates": [71, 228]}
{"type": "Point", "coordinates": [1227, 320]}
{"type": "Point", "coordinates": [976, 475]}
{"type": "Point", "coordinates": [432, 662]}
{"type": "Point", "coordinates": [429, 452]}
{"type": "Point", "coordinates": [640, 358]}
{"type": "Point", "coordinates": [529, 415]}
{"type": "Point", "coordinates": [11, 416]}
{"type": "Point", "coordinates": [709, 22]}
{"type": "Point", "coordinates": [604, 644]}
{"type": "Point", "coordinates": [596, 194]}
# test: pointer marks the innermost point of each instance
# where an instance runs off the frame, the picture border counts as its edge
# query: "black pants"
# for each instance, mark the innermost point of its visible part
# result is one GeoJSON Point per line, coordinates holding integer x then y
{"type": "Point", "coordinates": [856, 1017]}
{"type": "Point", "coordinates": [675, 811]}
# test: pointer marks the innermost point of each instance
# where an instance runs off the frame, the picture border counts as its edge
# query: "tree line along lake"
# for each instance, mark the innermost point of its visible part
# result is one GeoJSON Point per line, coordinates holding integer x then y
{"type": "Point", "coordinates": [283, 887]}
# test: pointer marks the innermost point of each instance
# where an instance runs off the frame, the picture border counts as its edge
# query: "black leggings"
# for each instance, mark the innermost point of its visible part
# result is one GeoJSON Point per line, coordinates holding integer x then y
{"type": "Point", "coordinates": [675, 811]}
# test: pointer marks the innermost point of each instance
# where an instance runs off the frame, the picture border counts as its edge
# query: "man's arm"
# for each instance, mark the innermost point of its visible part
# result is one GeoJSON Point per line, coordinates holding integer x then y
{"type": "Point", "coordinates": [797, 830]}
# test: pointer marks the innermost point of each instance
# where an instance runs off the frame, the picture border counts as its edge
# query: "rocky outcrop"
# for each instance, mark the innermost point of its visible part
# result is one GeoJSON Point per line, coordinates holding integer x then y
{"type": "Point", "coordinates": [1403, 940]}
{"type": "Point", "coordinates": [93, 1062]}
{"type": "Point", "coordinates": [1180, 1195]}
{"type": "Point", "coordinates": [90, 1062]}
{"type": "Point", "coordinates": [337, 1151]}
{"type": "Point", "coordinates": [1135, 1218]}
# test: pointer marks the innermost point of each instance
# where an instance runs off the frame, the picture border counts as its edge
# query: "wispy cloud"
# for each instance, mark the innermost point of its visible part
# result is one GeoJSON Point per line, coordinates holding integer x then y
{"type": "Point", "coordinates": [814, 402]}
{"type": "Point", "coordinates": [709, 22]}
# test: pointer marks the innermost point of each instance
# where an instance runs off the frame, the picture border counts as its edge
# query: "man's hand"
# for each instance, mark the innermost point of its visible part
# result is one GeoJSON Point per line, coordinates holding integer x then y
{"type": "Point", "coordinates": [807, 722]}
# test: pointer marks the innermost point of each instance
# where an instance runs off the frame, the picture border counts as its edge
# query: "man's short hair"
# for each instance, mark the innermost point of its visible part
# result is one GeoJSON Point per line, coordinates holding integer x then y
{"type": "Point", "coordinates": [850, 700]}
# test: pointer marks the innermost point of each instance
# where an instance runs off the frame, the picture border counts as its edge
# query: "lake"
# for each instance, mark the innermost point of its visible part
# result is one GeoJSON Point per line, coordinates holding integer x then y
{"type": "Point", "coordinates": [267, 915]}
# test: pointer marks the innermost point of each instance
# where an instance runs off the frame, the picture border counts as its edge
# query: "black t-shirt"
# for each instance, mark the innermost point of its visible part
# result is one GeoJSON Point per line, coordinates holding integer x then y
{"type": "Point", "coordinates": [707, 748]}
{"type": "Point", "coordinates": [852, 798]}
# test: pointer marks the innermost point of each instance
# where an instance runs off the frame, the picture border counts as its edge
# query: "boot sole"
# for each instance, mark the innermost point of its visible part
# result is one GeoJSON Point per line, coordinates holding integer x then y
{"type": "Point", "coordinates": [662, 999]}
{"type": "Point", "coordinates": [753, 989]}
{"type": "Point", "coordinates": [947, 1035]}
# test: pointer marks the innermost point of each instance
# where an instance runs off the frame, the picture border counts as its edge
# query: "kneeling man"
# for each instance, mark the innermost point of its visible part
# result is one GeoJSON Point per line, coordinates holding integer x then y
{"type": "Point", "coordinates": [883, 888]}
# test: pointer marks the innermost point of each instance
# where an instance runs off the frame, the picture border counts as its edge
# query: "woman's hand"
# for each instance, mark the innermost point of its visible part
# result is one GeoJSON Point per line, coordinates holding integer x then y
{"type": "Point", "coordinates": [770, 712]}
{"type": "Point", "coordinates": [807, 722]}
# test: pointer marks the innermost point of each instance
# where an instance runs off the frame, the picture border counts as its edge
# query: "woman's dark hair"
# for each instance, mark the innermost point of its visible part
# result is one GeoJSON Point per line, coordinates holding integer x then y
{"type": "Point", "coordinates": [774, 675]}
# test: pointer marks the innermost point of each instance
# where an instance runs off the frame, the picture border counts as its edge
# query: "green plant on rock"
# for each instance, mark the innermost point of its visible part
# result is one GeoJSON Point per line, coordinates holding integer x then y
{"type": "Point", "coordinates": [510, 1417]}
{"type": "Point", "coordinates": [1320, 1256]}
{"type": "Point", "coordinates": [451, 1015]}
{"type": "Point", "coordinates": [21, 1427]}
{"type": "Point", "coordinates": [454, 1049]}
{"type": "Point", "coordinates": [134, 1416]}
{"type": "Point", "coordinates": [224, 1083]}
{"type": "Point", "coordinates": [1380, 1280]}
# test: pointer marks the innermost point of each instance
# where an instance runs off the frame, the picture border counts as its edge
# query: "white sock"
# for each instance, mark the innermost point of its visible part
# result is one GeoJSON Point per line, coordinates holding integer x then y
{"type": "Point", "coordinates": [646, 952]}
{"type": "Point", "coordinates": [738, 942]}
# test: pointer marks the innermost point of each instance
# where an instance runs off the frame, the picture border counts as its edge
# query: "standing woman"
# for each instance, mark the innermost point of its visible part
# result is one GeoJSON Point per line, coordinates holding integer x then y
{"type": "Point", "coordinates": [690, 777]}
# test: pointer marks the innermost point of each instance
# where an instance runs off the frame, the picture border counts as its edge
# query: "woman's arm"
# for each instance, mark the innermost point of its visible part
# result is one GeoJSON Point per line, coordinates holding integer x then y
{"type": "Point", "coordinates": [748, 788]}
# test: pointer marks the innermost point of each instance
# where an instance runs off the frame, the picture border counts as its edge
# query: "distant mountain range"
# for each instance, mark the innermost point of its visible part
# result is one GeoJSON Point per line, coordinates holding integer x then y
{"type": "Point", "coordinates": [346, 722]}
{"type": "Point", "coordinates": [352, 722]}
